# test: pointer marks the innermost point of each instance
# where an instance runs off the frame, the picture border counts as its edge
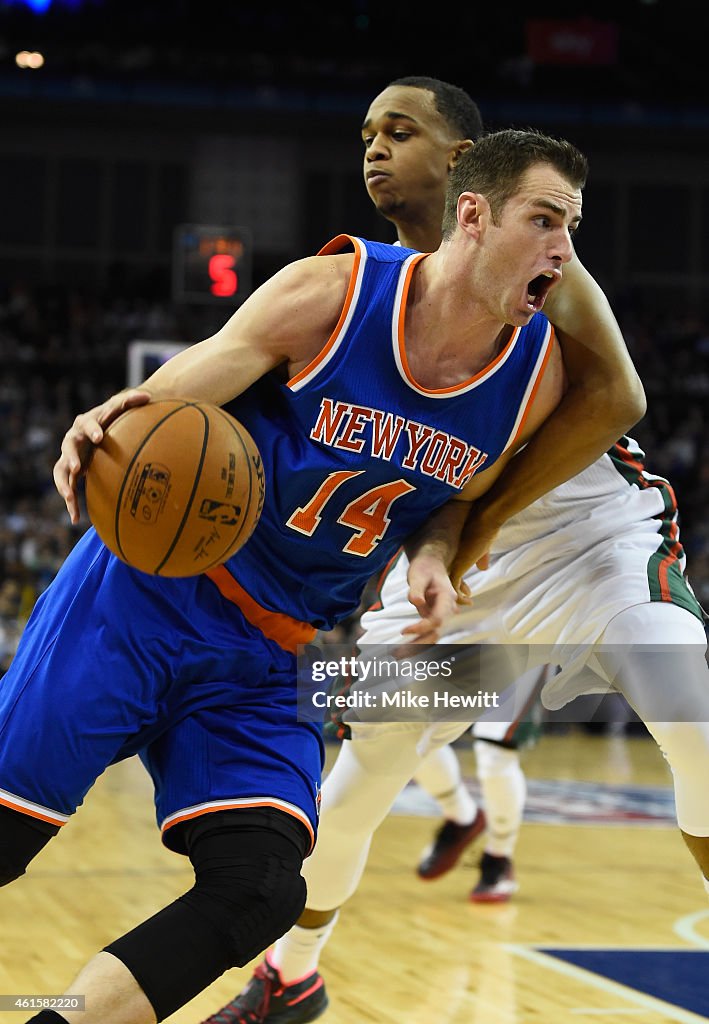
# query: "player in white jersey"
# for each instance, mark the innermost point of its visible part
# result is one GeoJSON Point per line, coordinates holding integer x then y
{"type": "Point", "coordinates": [496, 743]}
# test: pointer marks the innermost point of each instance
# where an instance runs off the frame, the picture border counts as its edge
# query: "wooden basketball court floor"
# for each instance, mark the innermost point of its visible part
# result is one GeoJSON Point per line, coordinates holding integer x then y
{"type": "Point", "coordinates": [409, 952]}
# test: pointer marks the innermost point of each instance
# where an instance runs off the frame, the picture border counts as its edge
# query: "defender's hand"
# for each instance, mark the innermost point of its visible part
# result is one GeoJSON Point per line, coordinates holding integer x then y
{"type": "Point", "coordinates": [473, 549]}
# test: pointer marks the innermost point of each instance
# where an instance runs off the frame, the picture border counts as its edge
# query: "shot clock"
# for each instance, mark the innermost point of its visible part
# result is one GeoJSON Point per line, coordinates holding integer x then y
{"type": "Point", "coordinates": [211, 264]}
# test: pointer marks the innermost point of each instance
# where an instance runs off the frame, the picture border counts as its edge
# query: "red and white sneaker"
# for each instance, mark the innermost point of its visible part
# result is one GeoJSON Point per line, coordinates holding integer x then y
{"type": "Point", "coordinates": [448, 845]}
{"type": "Point", "coordinates": [267, 998]}
{"type": "Point", "coordinates": [497, 880]}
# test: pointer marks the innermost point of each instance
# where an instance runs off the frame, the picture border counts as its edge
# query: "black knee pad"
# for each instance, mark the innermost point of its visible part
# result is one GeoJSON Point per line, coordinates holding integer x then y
{"type": "Point", "coordinates": [248, 891]}
{"type": "Point", "coordinates": [21, 839]}
{"type": "Point", "coordinates": [248, 878]}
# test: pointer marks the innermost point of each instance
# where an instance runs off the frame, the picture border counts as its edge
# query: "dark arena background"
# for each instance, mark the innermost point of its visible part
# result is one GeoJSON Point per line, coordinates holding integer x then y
{"type": "Point", "coordinates": [158, 161]}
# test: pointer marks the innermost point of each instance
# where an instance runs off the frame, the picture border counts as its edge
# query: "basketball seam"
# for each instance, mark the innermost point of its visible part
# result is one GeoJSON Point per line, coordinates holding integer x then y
{"type": "Point", "coordinates": [126, 475]}
{"type": "Point", "coordinates": [195, 485]}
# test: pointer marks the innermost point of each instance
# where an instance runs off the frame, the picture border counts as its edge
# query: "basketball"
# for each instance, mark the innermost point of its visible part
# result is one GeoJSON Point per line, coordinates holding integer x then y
{"type": "Point", "coordinates": [175, 487]}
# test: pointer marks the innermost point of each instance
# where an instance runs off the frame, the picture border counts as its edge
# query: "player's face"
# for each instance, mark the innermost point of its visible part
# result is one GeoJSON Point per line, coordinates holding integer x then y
{"type": "Point", "coordinates": [522, 255]}
{"type": "Point", "coordinates": [407, 148]}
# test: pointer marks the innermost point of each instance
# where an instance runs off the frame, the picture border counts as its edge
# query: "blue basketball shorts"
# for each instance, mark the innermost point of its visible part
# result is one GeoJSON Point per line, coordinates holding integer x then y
{"type": "Point", "coordinates": [114, 662]}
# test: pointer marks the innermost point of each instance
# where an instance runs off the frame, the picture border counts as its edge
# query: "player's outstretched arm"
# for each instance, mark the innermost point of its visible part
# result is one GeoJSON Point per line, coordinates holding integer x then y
{"type": "Point", "coordinates": [286, 321]}
{"type": "Point", "coordinates": [604, 397]}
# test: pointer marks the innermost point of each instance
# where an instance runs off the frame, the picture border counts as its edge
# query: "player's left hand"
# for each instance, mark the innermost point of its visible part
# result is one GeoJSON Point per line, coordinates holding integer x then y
{"type": "Point", "coordinates": [82, 437]}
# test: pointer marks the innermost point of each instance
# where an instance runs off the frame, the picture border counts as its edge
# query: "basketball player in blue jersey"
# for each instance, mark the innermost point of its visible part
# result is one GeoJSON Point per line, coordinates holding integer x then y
{"type": "Point", "coordinates": [382, 386]}
{"type": "Point", "coordinates": [613, 522]}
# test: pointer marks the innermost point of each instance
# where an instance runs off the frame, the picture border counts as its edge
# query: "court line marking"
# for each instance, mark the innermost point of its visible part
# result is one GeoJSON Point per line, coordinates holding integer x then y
{"type": "Point", "coordinates": [614, 988]}
{"type": "Point", "coordinates": [684, 928]}
{"type": "Point", "coordinates": [611, 1009]}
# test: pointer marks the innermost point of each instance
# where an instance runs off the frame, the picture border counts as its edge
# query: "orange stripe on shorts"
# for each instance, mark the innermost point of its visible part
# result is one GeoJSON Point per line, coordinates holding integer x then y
{"type": "Point", "coordinates": [287, 632]}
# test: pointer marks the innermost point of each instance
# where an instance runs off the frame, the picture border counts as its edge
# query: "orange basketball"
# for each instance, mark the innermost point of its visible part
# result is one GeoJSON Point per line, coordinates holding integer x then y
{"type": "Point", "coordinates": [175, 487]}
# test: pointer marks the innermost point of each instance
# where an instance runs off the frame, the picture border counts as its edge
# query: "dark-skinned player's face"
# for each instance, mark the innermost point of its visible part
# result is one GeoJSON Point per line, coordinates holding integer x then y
{"type": "Point", "coordinates": [408, 150]}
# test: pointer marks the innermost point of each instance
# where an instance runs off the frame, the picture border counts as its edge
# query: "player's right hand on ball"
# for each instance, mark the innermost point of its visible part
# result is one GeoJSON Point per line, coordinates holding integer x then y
{"type": "Point", "coordinates": [80, 440]}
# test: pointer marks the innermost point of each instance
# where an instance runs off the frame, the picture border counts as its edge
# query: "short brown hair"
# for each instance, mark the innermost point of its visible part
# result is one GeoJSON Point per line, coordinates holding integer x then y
{"type": "Point", "coordinates": [496, 164]}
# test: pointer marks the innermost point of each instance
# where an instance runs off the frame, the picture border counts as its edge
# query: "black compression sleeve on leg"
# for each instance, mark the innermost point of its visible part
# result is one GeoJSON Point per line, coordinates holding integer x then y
{"type": "Point", "coordinates": [173, 956]}
{"type": "Point", "coordinates": [248, 892]}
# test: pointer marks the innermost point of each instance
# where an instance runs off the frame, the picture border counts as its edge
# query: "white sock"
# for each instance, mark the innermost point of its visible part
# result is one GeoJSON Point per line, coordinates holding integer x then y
{"type": "Point", "coordinates": [458, 806]}
{"type": "Point", "coordinates": [297, 953]}
{"type": "Point", "coordinates": [439, 774]}
{"type": "Point", "coordinates": [504, 790]}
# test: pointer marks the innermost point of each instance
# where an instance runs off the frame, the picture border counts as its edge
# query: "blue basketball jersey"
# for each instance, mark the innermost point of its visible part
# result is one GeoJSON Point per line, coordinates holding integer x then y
{"type": "Point", "coordinates": [357, 454]}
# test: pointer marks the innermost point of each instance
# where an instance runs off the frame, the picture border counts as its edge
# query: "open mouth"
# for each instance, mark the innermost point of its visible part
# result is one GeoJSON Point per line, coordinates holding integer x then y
{"type": "Point", "coordinates": [537, 290]}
